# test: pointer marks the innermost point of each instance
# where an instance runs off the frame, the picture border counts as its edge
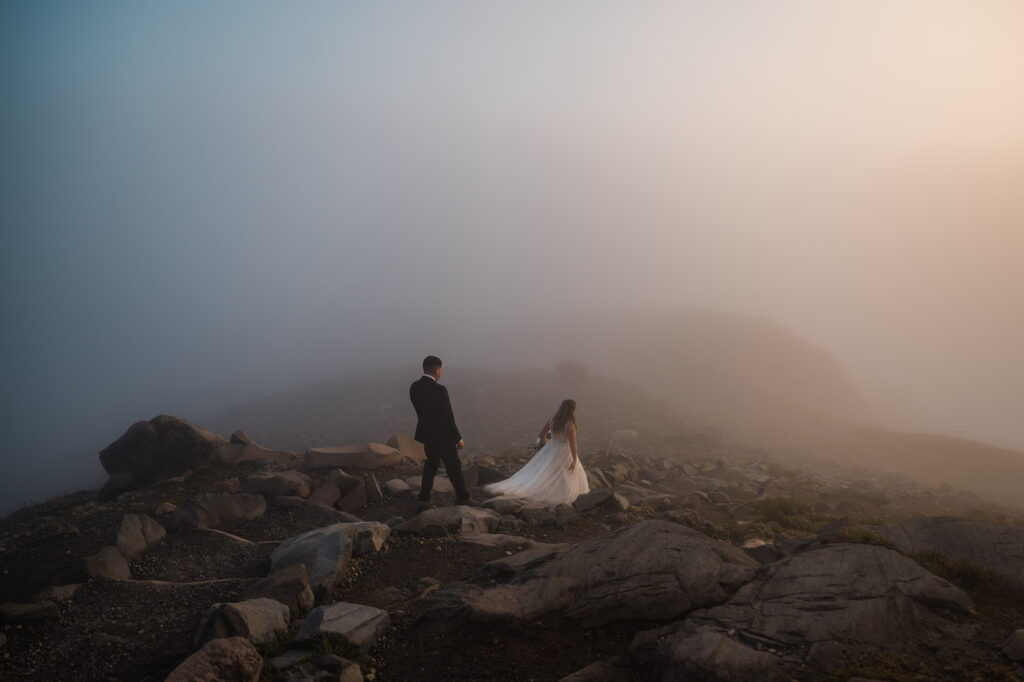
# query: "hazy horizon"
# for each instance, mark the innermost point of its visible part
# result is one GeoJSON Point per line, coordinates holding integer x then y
{"type": "Point", "coordinates": [206, 203]}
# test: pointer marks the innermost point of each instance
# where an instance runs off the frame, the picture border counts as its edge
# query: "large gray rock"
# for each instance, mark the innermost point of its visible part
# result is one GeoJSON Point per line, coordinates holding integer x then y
{"type": "Point", "coordinates": [652, 570]}
{"type": "Point", "coordinates": [218, 511]}
{"type": "Point", "coordinates": [325, 552]}
{"type": "Point", "coordinates": [454, 519]}
{"type": "Point", "coordinates": [232, 659]}
{"type": "Point", "coordinates": [820, 608]}
{"type": "Point", "coordinates": [137, 534]}
{"type": "Point", "coordinates": [360, 456]}
{"type": "Point", "coordinates": [108, 563]}
{"type": "Point", "coordinates": [259, 620]}
{"type": "Point", "coordinates": [996, 547]}
{"type": "Point", "coordinates": [359, 624]}
{"type": "Point", "coordinates": [163, 445]}
{"type": "Point", "coordinates": [278, 484]}
{"type": "Point", "coordinates": [290, 586]}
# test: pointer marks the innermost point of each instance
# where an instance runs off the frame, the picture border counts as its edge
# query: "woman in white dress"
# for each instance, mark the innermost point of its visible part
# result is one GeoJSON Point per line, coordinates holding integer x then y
{"type": "Point", "coordinates": [554, 475]}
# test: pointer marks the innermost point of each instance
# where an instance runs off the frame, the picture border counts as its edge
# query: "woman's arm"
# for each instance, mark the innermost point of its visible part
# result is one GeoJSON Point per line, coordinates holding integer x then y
{"type": "Point", "coordinates": [570, 433]}
{"type": "Point", "coordinates": [544, 431]}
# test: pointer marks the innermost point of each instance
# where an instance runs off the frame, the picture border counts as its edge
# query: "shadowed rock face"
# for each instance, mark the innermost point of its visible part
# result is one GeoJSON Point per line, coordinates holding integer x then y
{"type": "Point", "coordinates": [810, 609]}
{"type": "Point", "coordinates": [164, 445]}
{"type": "Point", "coordinates": [655, 569]}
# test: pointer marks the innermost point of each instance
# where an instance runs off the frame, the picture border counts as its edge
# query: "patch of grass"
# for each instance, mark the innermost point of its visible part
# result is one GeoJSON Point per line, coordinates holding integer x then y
{"type": "Point", "coordinates": [863, 536]}
{"type": "Point", "coordinates": [737, 533]}
{"type": "Point", "coordinates": [977, 581]}
{"type": "Point", "coordinates": [790, 514]}
{"type": "Point", "coordinates": [337, 645]}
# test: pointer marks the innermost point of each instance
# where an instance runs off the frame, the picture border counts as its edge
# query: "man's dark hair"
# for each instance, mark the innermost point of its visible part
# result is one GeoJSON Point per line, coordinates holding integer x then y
{"type": "Point", "coordinates": [430, 363]}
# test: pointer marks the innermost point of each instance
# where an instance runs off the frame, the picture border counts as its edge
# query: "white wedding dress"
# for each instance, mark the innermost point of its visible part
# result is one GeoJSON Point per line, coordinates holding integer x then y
{"type": "Point", "coordinates": [546, 477]}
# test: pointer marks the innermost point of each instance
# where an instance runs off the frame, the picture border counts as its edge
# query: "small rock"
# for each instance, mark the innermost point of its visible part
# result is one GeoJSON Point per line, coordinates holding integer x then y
{"type": "Point", "coordinates": [21, 613]}
{"type": "Point", "coordinates": [260, 620]}
{"type": "Point", "coordinates": [231, 659]}
{"type": "Point", "coordinates": [588, 501]}
{"type": "Point", "coordinates": [396, 487]}
{"type": "Point", "coordinates": [290, 586]}
{"type": "Point", "coordinates": [359, 624]}
{"type": "Point", "coordinates": [108, 563]}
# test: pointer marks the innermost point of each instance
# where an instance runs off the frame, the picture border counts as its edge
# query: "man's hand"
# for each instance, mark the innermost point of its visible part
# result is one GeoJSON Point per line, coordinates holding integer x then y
{"type": "Point", "coordinates": [461, 444]}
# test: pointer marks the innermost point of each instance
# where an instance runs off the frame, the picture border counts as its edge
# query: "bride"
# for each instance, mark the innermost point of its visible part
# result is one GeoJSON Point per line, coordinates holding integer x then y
{"type": "Point", "coordinates": [554, 475]}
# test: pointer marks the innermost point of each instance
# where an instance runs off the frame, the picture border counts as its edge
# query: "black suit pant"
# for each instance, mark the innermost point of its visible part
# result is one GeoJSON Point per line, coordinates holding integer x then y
{"type": "Point", "coordinates": [449, 454]}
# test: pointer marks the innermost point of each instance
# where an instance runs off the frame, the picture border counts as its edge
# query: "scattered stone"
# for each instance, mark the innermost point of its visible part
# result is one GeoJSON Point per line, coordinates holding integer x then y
{"type": "Point", "coordinates": [231, 486]}
{"type": "Point", "coordinates": [361, 456]}
{"type": "Point", "coordinates": [108, 563]}
{"type": "Point", "coordinates": [396, 487]}
{"type": "Point", "coordinates": [57, 593]}
{"type": "Point", "coordinates": [445, 520]}
{"type": "Point", "coordinates": [588, 501]}
{"type": "Point", "coordinates": [290, 586]}
{"type": "Point", "coordinates": [22, 613]}
{"type": "Point", "coordinates": [324, 551]}
{"type": "Point", "coordinates": [278, 484]}
{"type": "Point", "coordinates": [165, 508]}
{"type": "Point", "coordinates": [231, 659]}
{"type": "Point", "coordinates": [503, 504]}
{"type": "Point", "coordinates": [163, 445]}
{"type": "Point", "coordinates": [359, 624]}
{"type": "Point", "coordinates": [616, 503]}
{"type": "Point", "coordinates": [115, 486]}
{"type": "Point", "coordinates": [218, 511]}
{"type": "Point", "coordinates": [327, 494]}
{"type": "Point", "coordinates": [259, 620]}
{"type": "Point", "coordinates": [137, 534]}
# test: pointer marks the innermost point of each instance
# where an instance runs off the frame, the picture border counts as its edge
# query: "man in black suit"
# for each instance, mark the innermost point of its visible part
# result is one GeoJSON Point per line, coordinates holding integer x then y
{"type": "Point", "coordinates": [436, 429]}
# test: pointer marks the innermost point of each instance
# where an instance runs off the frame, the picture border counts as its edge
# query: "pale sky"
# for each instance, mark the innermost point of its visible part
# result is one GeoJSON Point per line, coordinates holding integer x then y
{"type": "Point", "coordinates": [205, 201]}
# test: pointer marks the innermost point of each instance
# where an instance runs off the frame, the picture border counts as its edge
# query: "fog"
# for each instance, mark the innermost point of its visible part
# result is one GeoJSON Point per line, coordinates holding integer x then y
{"type": "Point", "coordinates": [205, 202]}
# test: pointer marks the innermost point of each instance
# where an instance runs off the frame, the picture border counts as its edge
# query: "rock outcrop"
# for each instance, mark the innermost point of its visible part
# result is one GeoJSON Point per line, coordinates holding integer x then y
{"type": "Point", "coordinates": [164, 445]}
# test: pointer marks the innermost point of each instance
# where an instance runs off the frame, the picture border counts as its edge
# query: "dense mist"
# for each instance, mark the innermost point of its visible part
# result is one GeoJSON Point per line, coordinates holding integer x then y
{"type": "Point", "coordinates": [759, 211]}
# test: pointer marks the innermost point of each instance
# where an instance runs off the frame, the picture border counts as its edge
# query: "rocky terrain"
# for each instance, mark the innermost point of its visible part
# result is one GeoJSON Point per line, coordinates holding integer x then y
{"type": "Point", "coordinates": [213, 558]}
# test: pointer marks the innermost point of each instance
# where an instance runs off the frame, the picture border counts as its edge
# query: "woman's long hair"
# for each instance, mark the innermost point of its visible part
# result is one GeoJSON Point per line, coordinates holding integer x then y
{"type": "Point", "coordinates": [566, 413]}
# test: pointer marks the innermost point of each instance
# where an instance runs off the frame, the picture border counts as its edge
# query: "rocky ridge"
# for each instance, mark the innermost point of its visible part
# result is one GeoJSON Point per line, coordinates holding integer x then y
{"type": "Point", "coordinates": [263, 564]}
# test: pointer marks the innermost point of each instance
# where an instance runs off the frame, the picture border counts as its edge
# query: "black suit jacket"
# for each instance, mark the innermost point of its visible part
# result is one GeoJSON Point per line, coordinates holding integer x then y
{"type": "Point", "coordinates": [436, 423]}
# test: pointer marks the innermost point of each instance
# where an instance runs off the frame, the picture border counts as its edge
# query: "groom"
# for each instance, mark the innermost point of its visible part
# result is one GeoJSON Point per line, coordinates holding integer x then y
{"type": "Point", "coordinates": [436, 429]}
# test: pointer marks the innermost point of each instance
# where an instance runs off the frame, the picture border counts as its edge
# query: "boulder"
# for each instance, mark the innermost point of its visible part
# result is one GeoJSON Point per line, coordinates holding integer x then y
{"type": "Point", "coordinates": [324, 551]}
{"type": "Point", "coordinates": [370, 537]}
{"type": "Point", "coordinates": [352, 500]}
{"type": "Point", "coordinates": [163, 445]}
{"type": "Point", "coordinates": [993, 546]}
{"type": "Point", "coordinates": [408, 447]}
{"type": "Point", "coordinates": [108, 563]}
{"type": "Point", "coordinates": [616, 502]}
{"type": "Point", "coordinates": [137, 534]}
{"type": "Point", "coordinates": [821, 608]}
{"type": "Point", "coordinates": [290, 586]}
{"type": "Point", "coordinates": [445, 520]}
{"type": "Point", "coordinates": [597, 478]}
{"type": "Point", "coordinates": [361, 456]}
{"type": "Point", "coordinates": [258, 620]}
{"type": "Point", "coordinates": [396, 487]}
{"type": "Point", "coordinates": [278, 484]}
{"type": "Point", "coordinates": [327, 494]}
{"type": "Point", "coordinates": [218, 511]}
{"type": "Point", "coordinates": [651, 570]}
{"type": "Point", "coordinates": [588, 501]}
{"type": "Point", "coordinates": [360, 625]}
{"type": "Point", "coordinates": [115, 486]}
{"type": "Point", "coordinates": [21, 613]}
{"type": "Point", "coordinates": [235, 453]}
{"type": "Point", "coordinates": [232, 659]}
